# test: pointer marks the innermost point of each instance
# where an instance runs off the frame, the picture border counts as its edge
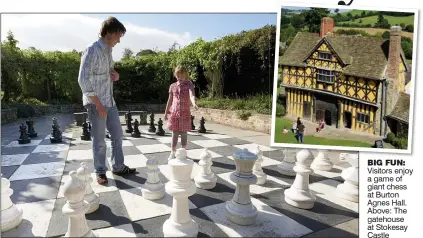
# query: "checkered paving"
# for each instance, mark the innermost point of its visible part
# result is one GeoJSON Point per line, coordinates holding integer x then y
{"type": "Point", "coordinates": [38, 171]}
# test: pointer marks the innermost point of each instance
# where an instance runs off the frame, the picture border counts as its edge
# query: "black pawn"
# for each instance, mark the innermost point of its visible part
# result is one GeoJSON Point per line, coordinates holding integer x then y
{"type": "Point", "coordinates": [31, 131]}
{"type": "Point", "coordinates": [86, 133]}
{"type": "Point", "coordinates": [23, 138]}
{"type": "Point", "coordinates": [136, 133]}
{"type": "Point", "coordinates": [128, 117]}
{"type": "Point", "coordinates": [160, 131]}
{"type": "Point", "coordinates": [202, 129]}
{"type": "Point", "coordinates": [152, 128]}
{"type": "Point", "coordinates": [192, 123]}
{"type": "Point", "coordinates": [56, 134]}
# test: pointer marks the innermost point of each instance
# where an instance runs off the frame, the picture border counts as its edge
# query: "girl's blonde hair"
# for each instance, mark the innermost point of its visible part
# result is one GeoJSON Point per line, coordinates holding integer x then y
{"type": "Point", "coordinates": [179, 69]}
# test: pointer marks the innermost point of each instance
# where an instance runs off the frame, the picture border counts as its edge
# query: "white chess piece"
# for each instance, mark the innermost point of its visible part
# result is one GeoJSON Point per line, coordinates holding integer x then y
{"type": "Point", "coordinates": [349, 189]}
{"type": "Point", "coordinates": [287, 166]}
{"type": "Point", "coordinates": [322, 162]}
{"type": "Point", "coordinates": [153, 188]}
{"type": "Point", "coordinates": [299, 194]}
{"type": "Point", "coordinates": [11, 215]}
{"type": "Point", "coordinates": [257, 169]}
{"type": "Point", "coordinates": [240, 210]}
{"type": "Point", "coordinates": [180, 223]}
{"type": "Point", "coordinates": [205, 179]}
{"type": "Point", "coordinates": [90, 196]}
{"type": "Point", "coordinates": [76, 207]}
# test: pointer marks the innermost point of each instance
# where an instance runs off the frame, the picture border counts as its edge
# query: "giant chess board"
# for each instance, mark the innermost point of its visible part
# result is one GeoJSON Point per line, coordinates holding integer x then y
{"type": "Point", "coordinates": [38, 170]}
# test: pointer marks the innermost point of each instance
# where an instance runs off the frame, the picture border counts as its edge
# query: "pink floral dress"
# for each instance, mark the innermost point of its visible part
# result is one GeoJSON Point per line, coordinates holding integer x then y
{"type": "Point", "coordinates": [180, 112]}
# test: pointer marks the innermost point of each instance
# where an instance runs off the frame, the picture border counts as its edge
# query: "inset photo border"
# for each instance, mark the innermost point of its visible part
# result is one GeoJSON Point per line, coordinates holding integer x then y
{"type": "Point", "coordinates": [344, 78]}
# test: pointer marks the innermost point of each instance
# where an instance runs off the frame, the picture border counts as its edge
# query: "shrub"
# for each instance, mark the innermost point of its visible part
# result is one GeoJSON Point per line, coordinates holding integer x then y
{"type": "Point", "coordinates": [400, 143]}
{"type": "Point", "coordinates": [280, 110]}
{"type": "Point", "coordinates": [390, 137]}
{"type": "Point", "coordinates": [244, 115]}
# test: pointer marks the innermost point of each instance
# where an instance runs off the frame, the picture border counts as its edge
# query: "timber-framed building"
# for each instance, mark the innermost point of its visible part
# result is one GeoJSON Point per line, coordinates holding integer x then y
{"type": "Point", "coordinates": [348, 81]}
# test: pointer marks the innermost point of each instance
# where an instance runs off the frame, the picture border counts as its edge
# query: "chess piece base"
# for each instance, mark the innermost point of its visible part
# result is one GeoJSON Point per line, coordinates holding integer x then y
{"type": "Point", "coordinates": [55, 140]}
{"type": "Point", "coordinates": [261, 177]}
{"type": "Point", "coordinates": [205, 181]}
{"type": "Point", "coordinates": [202, 130]}
{"type": "Point", "coordinates": [85, 137]}
{"type": "Point", "coordinates": [160, 133]}
{"type": "Point", "coordinates": [11, 218]}
{"type": "Point", "coordinates": [89, 234]}
{"type": "Point", "coordinates": [153, 191]}
{"type": "Point", "coordinates": [23, 141]}
{"type": "Point", "coordinates": [94, 202]}
{"type": "Point", "coordinates": [128, 131]}
{"type": "Point", "coordinates": [173, 229]}
{"type": "Point", "coordinates": [152, 130]}
{"type": "Point", "coordinates": [287, 169]}
{"type": "Point", "coordinates": [241, 214]}
{"type": "Point", "coordinates": [322, 166]}
{"type": "Point", "coordinates": [136, 135]}
{"type": "Point", "coordinates": [32, 135]}
{"type": "Point", "coordinates": [348, 192]}
{"type": "Point", "coordinates": [300, 198]}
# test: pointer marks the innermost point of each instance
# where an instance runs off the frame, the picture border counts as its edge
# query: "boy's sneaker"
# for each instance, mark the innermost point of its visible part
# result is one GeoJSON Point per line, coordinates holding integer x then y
{"type": "Point", "coordinates": [172, 155]}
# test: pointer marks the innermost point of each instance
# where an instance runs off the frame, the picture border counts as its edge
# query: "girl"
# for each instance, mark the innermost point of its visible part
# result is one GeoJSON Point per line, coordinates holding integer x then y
{"type": "Point", "coordinates": [181, 93]}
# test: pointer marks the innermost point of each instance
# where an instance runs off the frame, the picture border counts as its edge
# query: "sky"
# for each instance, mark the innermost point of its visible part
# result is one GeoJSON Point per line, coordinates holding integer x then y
{"type": "Point", "coordinates": [65, 32]}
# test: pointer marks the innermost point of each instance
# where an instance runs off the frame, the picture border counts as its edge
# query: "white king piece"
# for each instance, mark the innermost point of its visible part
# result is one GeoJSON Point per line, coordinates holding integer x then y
{"type": "Point", "coordinates": [180, 187]}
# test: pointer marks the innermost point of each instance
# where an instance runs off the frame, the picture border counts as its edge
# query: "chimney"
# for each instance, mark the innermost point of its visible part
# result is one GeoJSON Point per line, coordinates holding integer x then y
{"type": "Point", "coordinates": [394, 55]}
{"type": "Point", "coordinates": [326, 26]}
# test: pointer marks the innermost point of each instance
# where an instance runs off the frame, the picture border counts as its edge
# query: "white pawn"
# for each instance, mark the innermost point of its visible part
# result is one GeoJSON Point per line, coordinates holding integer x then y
{"type": "Point", "coordinates": [90, 196]}
{"type": "Point", "coordinates": [349, 189]}
{"type": "Point", "coordinates": [287, 166]}
{"type": "Point", "coordinates": [257, 169]}
{"type": "Point", "coordinates": [76, 207]}
{"type": "Point", "coordinates": [322, 162]}
{"type": "Point", "coordinates": [180, 187]}
{"type": "Point", "coordinates": [11, 215]}
{"type": "Point", "coordinates": [153, 188]}
{"type": "Point", "coordinates": [205, 179]}
{"type": "Point", "coordinates": [299, 194]}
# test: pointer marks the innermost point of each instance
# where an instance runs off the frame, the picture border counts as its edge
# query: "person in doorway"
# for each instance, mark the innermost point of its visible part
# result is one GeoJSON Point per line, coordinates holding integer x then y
{"type": "Point", "coordinates": [178, 112]}
{"type": "Point", "coordinates": [321, 126]}
{"type": "Point", "coordinates": [300, 132]}
{"type": "Point", "coordinates": [96, 77]}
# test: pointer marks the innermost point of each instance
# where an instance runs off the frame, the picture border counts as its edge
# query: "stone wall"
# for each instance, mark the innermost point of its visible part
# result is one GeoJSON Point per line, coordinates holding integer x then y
{"type": "Point", "coordinates": [8, 115]}
{"type": "Point", "coordinates": [256, 122]}
{"type": "Point", "coordinates": [155, 108]}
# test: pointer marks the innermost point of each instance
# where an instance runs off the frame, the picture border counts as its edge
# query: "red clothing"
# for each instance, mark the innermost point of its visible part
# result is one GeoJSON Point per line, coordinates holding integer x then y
{"type": "Point", "coordinates": [180, 111]}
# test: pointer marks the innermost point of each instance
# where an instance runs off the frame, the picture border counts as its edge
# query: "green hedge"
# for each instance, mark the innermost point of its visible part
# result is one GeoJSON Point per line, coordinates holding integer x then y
{"type": "Point", "coordinates": [237, 65]}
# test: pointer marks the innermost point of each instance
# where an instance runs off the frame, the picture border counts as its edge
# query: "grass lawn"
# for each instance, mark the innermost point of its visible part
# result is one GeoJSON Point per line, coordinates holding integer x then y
{"type": "Point", "coordinates": [311, 140]}
{"type": "Point", "coordinates": [407, 20]}
{"type": "Point", "coordinates": [373, 31]}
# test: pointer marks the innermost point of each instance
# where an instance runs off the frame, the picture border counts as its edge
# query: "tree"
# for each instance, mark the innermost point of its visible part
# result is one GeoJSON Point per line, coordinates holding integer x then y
{"type": "Point", "coordinates": [363, 14]}
{"type": "Point", "coordinates": [127, 53]}
{"type": "Point", "coordinates": [175, 46]}
{"type": "Point", "coordinates": [285, 21]}
{"type": "Point", "coordinates": [298, 21]}
{"type": "Point", "coordinates": [336, 11]}
{"type": "Point", "coordinates": [350, 16]}
{"type": "Point", "coordinates": [409, 28]}
{"type": "Point", "coordinates": [145, 52]}
{"type": "Point", "coordinates": [288, 34]}
{"type": "Point", "coordinates": [313, 18]}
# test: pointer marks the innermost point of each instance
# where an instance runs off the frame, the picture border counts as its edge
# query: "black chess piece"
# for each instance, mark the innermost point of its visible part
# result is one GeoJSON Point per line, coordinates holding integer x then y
{"type": "Point", "coordinates": [160, 131]}
{"type": "Point", "coordinates": [136, 133]}
{"type": "Point", "coordinates": [31, 131]}
{"type": "Point", "coordinates": [89, 127]}
{"type": "Point", "coordinates": [152, 128]}
{"type": "Point", "coordinates": [23, 138]}
{"type": "Point", "coordinates": [86, 133]}
{"type": "Point", "coordinates": [56, 134]}
{"type": "Point", "coordinates": [202, 129]}
{"type": "Point", "coordinates": [128, 117]}
{"type": "Point", "coordinates": [192, 123]}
